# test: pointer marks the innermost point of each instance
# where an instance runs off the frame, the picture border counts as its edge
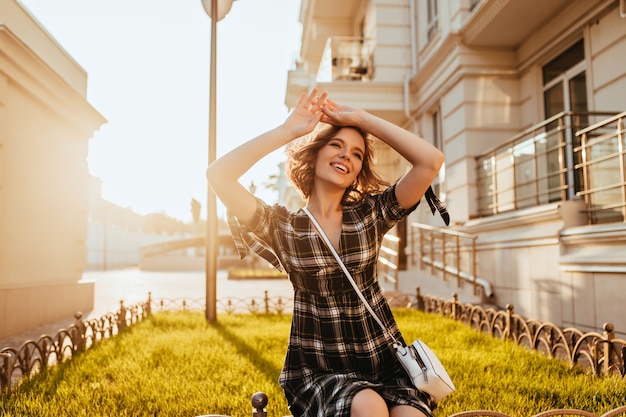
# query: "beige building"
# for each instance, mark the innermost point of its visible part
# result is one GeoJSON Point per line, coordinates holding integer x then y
{"type": "Point", "coordinates": [45, 125]}
{"type": "Point", "coordinates": [527, 99]}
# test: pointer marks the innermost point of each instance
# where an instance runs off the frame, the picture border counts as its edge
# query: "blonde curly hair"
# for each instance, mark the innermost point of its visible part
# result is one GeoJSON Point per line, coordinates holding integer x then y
{"type": "Point", "coordinates": [301, 159]}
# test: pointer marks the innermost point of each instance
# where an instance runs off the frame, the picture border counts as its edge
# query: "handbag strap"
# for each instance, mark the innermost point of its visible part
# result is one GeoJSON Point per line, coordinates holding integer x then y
{"type": "Point", "coordinates": [348, 275]}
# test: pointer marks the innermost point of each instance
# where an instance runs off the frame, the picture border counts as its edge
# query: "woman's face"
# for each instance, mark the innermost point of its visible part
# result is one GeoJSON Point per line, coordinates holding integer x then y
{"type": "Point", "coordinates": [341, 159]}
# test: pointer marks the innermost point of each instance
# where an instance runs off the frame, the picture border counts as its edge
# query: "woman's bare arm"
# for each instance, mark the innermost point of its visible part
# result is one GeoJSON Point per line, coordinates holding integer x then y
{"type": "Point", "coordinates": [223, 174]}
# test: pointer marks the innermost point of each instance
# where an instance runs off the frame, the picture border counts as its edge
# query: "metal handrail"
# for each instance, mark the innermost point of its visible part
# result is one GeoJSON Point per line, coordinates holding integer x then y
{"type": "Point", "coordinates": [449, 251]}
{"type": "Point", "coordinates": [602, 151]}
{"type": "Point", "coordinates": [389, 259]}
{"type": "Point", "coordinates": [539, 165]}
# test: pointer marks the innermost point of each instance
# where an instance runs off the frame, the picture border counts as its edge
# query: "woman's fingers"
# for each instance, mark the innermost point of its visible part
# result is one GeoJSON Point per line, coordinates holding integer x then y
{"type": "Point", "coordinates": [321, 100]}
{"type": "Point", "coordinates": [317, 102]}
{"type": "Point", "coordinates": [312, 102]}
{"type": "Point", "coordinates": [302, 100]}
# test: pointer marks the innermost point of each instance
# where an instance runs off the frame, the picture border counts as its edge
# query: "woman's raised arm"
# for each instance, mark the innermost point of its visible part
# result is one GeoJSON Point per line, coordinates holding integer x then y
{"type": "Point", "coordinates": [223, 174]}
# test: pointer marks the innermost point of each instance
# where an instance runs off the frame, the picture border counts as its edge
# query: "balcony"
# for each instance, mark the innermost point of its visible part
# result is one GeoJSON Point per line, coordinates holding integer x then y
{"type": "Point", "coordinates": [347, 71]}
{"type": "Point", "coordinates": [346, 59]}
{"type": "Point", "coordinates": [505, 24]}
{"type": "Point", "coordinates": [569, 156]}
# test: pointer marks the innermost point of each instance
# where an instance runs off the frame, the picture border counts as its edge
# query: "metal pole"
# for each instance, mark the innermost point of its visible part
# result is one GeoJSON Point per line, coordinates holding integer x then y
{"type": "Point", "coordinates": [211, 223]}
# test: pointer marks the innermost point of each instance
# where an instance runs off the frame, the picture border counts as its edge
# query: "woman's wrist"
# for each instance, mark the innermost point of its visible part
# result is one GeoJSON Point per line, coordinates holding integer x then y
{"type": "Point", "coordinates": [364, 120]}
{"type": "Point", "coordinates": [285, 133]}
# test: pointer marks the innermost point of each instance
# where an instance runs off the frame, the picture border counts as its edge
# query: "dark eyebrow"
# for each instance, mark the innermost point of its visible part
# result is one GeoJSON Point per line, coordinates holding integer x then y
{"type": "Point", "coordinates": [358, 148]}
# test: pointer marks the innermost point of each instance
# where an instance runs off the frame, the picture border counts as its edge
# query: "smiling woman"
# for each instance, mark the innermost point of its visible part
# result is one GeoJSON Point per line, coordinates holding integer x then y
{"type": "Point", "coordinates": [349, 150]}
{"type": "Point", "coordinates": [338, 362]}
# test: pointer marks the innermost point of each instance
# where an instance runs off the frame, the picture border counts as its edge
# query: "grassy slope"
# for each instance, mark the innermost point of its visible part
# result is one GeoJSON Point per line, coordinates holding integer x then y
{"type": "Point", "coordinates": [175, 364]}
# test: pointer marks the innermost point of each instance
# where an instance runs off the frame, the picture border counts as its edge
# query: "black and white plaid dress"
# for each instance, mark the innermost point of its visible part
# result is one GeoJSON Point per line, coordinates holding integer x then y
{"type": "Point", "coordinates": [335, 347]}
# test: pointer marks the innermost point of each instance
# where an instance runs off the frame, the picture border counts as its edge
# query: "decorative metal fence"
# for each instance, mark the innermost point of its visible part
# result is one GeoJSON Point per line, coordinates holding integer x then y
{"type": "Point", "coordinates": [254, 305]}
{"type": "Point", "coordinates": [260, 400]}
{"type": "Point", "coordinates": [33, 356]}
{"type": "Point", "coordinates": [602, 353]}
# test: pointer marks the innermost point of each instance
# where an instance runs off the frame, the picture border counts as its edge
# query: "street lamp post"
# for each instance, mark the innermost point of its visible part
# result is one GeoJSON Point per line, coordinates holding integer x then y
{"type": "Point", "coordinates": [215, 13]}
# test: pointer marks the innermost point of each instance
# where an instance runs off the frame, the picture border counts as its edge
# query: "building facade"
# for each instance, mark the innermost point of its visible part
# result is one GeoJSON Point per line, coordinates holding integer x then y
{"type": "Point", "coordinates": [45, 125]}
{"type": "Point", "coordinates": [527, 100]}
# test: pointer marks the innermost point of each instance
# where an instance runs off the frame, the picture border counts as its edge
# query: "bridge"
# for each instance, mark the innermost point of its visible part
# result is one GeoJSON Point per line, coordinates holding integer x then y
{"type": "Point", "coordinates": [187, 254]}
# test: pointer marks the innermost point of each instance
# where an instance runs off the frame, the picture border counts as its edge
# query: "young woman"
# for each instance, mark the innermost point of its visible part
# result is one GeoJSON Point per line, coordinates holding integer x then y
{"type": "Point", "coordinates": [339, 362]}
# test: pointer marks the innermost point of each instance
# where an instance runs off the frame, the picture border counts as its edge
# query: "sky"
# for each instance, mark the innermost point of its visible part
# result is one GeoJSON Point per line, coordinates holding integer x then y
{"type": "Point", "coordinates": [147, 63]}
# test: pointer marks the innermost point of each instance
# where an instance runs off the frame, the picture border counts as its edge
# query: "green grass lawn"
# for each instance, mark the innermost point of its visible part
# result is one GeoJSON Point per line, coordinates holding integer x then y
{"type": "Point", "coordinates": [175, 364]}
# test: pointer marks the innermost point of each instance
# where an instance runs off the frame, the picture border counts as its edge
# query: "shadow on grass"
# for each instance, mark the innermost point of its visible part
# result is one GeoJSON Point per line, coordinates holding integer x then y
{"type": "Point", "coordinates": [269, 369]}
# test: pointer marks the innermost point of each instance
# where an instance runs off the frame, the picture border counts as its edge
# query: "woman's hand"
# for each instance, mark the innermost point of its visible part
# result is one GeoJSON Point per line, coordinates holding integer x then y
{"type": "Point", "coordinates": [307, 114]}
{"type": "Point", "coordinates": [341, 115]}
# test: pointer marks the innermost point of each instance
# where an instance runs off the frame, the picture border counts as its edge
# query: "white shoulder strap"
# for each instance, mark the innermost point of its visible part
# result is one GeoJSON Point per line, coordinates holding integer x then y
{"type": "Point", "coordinates": [346, 272]}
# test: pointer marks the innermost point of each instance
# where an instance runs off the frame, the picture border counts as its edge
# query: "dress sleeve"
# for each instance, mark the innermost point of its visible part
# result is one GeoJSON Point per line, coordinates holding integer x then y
{"type": "Point", "coordinates": [255, 238]}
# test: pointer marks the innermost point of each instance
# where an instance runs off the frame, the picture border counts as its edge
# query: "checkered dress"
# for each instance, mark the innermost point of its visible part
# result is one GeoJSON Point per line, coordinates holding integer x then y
{"type": "Point", "coordinates": [336, 348]}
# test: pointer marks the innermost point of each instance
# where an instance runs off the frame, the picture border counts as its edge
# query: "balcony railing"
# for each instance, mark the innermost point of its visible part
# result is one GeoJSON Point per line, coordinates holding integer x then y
{"type": "Point", "coordinates": [549, 162]}
{"type": "Point", "coordinates": [449, 252]}
{"type": "Point", "coordinates": [346, 58]}
{"type": "Point", "coordinates": [603, 160]}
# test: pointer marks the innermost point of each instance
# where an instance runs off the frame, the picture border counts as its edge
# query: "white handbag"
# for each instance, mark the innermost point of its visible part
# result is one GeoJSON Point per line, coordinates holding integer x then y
{"type": "Point", "coordinates": [421, 364]}
{"type": "Point", "coordinates": [425, 369]}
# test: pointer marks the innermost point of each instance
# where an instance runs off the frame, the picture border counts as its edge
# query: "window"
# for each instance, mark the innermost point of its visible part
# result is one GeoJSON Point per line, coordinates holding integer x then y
{"type": "Point", "coordinates": [564, 90]}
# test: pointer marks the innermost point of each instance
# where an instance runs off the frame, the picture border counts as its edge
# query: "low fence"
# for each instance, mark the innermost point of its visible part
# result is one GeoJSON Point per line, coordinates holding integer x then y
{"type": "Point", "coordinates": [231, 305]}
{"type": "Point", "coordinates": [259, 401]}
{"type": "Point", "coordinates": [602, 353]}
{"type": "Point", "coordinates": [33, 356]}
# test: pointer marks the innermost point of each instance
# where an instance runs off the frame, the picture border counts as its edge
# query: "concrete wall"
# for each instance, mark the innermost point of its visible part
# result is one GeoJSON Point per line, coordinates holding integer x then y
{"type": "Point", "coordinates": [552, 267]}
{"type": "Point", "coordinates": [45, 125]}
{"type": "Point", "coordinates": [592, 273]}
